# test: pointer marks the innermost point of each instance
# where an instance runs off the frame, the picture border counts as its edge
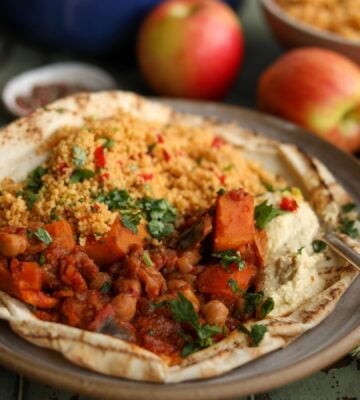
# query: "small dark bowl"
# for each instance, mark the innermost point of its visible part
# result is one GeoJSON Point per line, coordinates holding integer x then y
{"type": "Point", "coordinates": [291, 32]}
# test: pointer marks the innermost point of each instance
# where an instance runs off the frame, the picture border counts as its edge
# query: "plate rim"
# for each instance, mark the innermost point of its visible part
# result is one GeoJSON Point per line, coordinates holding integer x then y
{"type": "Point", "coordinates": [260, 383]}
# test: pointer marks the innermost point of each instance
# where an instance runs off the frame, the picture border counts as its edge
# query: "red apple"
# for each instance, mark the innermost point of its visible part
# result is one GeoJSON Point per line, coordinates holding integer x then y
{"type": "Point", "coordinates": [318, 89]}
{"type": "Point", "coordinates": [191, 48]}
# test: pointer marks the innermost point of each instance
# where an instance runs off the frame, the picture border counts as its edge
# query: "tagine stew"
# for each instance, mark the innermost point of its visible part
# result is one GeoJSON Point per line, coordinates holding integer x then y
{"type": "Point", "coordinates": [170, 289]}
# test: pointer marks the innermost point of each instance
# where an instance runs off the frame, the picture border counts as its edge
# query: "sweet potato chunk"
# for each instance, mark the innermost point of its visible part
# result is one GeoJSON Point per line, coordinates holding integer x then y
{"type": "Point", "coordinates": [234, 220]}
{"type": "Point", "coordinates": [62, 234]}
{"type": "Point", "coordinates": [115, 244]}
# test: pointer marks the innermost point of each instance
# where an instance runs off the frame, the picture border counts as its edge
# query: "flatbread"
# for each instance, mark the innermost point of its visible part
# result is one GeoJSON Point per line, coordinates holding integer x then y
{"type": "Point", "coordinates": [19, 144]}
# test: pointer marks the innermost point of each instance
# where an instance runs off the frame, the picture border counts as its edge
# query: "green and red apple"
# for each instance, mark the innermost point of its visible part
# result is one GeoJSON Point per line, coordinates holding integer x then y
{"type": "Point", "coordinates": [191, 48]}
{"type": "Point", "coordinates": [317, 89]}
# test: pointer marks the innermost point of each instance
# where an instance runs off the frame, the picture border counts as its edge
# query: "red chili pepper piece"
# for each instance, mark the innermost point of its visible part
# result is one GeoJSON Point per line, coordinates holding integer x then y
{"type": "Point", "coordinates": [146, 177]}
{"type": "Point", "coordinates": [288, 204]}
{"type": "Point", "coordinates": [217, 142]}
{"type": "Point", "coordinates": [222, 179]}
{"type": "Point", "coordinates": [62, 167]}
{"type": "Point", "coordinates": [160, 139]}
{"type": "Point", "coordinates": [104, 176]}
{"type": "Point", "coordinates": [167, 156]}
{"type": "Point", "coordinates": [99, 157]}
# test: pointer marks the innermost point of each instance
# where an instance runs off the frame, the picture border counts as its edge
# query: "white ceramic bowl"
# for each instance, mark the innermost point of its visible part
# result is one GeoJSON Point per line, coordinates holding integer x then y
{"type": "Point", "coordinates": [73, 73]}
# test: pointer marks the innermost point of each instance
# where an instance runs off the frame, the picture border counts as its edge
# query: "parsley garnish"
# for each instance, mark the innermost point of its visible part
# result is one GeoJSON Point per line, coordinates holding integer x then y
{"type": "Point", "coordinates": [229, 257]}
{"type": "Point", "coordinates": [147, 259]}
{"type": "Point", "coordinates": [348, 227]}
{"type": "Point", "coordinates": [79, 156]}
{"type": "Point", "coordinates": [160, 214]}
{"type": "Point", "coordinates": [34, 180]}
{"type": "Point", "coordinates": [42, 259]}
{"type": "Point", "coordinates": [252, 301]}
{"type": "Point", "coordinates": [264, 213]}
{"type": "Point", "coordinates": [299, 250]}
{"type": "Point", "coordinates": [234, 286]}
{"type": "Point", "coordinates": [105, 288]}
{"type": "Point", "coordinates": [183, 311]}
{"type": "Point", "coordinates": [109, 143]}
{"type": "Point", "coordinates": [318, 246]}
{"type": "Point", "coordinates": [221, 192]}
{"type": "Point", "coordinates": [346, 208]}
{"type": "Point", "coordinates": [267, 307]}
{"type": "Point", "coordinates": [33, 185]}
{"type": "Point", "coordinates": [256, 334]}
{"type": "Point", "coordinates": [120, 200]}
{"type": "Point", "coordinates": [80, 175]}
{"type": "Point", "coordinates": [43, 235]}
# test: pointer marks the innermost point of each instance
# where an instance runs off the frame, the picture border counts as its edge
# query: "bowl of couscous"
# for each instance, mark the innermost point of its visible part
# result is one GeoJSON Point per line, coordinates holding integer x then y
{"type": "Point", "coordinates": [333, 24]}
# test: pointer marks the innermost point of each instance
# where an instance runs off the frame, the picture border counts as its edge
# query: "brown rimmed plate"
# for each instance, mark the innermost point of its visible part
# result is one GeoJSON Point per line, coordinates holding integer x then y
{"type": "Point", "coordinates": [321, 346]}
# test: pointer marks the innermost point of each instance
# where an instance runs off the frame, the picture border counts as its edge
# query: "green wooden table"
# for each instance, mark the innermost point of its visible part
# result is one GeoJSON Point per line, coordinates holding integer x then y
{"type": "Point", "coordinates": [340, 381]}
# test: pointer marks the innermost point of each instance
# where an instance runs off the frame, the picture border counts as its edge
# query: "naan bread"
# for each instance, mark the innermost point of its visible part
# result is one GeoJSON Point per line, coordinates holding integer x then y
{"type": "Point", "coordinates": [19, 143]}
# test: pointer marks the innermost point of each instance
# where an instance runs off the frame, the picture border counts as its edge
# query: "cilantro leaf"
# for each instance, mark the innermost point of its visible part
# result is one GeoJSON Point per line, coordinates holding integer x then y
{"type": "Point", "coordinates": [109, 143]}
{"type": "Point", "coordinates": [43, 235]}
{"type": "Point", "coordinates": [147, 259]}
{"type": "Point", "coordinates": [346, 208]}
{"type": "Point", "coordinates": [348, 227]}
{"type": "Point", "coordinates": [265, 212]}
{"type": "Point", "coordinates": [34, 180]}
{"type": "Point", "coordinates": [256, 334]}
{"type": "Point", "coordinates": [318, 246]}
{"type": "Point", "coordinates": [80, 175]}
{"type": "Point", "coordinates": [229, 257]}
{"type": "Point", "coordinates": [160, 214]}
{"type": "Point", "coordinates": [183, 311]}
{"type": "Point", "coordinates": [267, 307]}
{"type": "Point", "coordinates": [234, 286]}
{"type": "Point", "coordinates": [252, 300]}
{"type": "Point", "coordinates": [30, 198]}
{"type": "Point", "coordinates": [79, 156]}
{"type": "Point", "coordinates": [105, 288]}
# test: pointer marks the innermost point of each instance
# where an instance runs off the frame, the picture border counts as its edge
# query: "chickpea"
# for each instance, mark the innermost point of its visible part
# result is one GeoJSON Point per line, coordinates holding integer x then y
{"type": "Point", "coordinates": [12, 245]}
{"type": "Point", "coordinates": [128, 286]}
{"type": "Point", "coordinates": [176, 284]}
{"type": "Point", "coordinates": [99, 281]}
{"type": "Point", "coordinates": [125, 307]}
{"type": "Point", "coordinates": [215, 312]}
{"type": "Point", "coordinates": [183, 265]}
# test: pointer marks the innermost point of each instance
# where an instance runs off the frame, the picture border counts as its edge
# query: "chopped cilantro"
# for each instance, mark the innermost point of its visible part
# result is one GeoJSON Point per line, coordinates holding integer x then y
{"type": "Point", "coordinates": [252, 301]}
{"type": "Point", "coordinates": [264, 213]}
{"type": "Point", "coordinates": [42, 259]}
{"type": "Point", "coordinates": [183, 311]}
{"type": "Point", "coordinates": [267, 307]}
{"type": "Point", "coordinates": [109, 143]}
{"type": "Point", "coordinates": [160, 214]}
{"type": "Point", "coordinates": [30, 198]}
{"type": "Point", "coordinates": [348, 227]}
{"type": "Point", "coordinates": [79, 156]}
{"type": "Point", "coordinates": [43, 235]}
{"type": "Point", "coordinates": [346, 208]}
{"type": "Point", "coordinates": [268, 187]}
{"type": "Point", "coordinates": [120, 200]}
{"type": "Point", "coordinates": [221, 192]}
{"type": "Point", "coordinates": [80, 175]}
{"type": "Point", "coordinates": [147, 259]}
{"type": "Point", "coordinates": [234, 286]}
{"type": "Point", "coordinates": [256, 334]}
{"type": "Point", "coordinates": [34, 180]}
{"type": "Point", "coordinates": [229, 257]}
{"type": "Point", "coordinates": [318, 246]}
{"type": "Point", "coordinates": [105, 288]}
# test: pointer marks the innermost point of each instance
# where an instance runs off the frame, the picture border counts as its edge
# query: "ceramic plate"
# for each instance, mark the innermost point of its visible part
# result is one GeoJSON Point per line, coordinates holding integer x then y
{"type": "Point", "coordinates": [321, 346]}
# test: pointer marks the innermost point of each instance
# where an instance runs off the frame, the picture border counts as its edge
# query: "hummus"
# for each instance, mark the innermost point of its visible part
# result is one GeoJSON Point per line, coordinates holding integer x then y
{"type": "Point", "coordinates": [291, 274]}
